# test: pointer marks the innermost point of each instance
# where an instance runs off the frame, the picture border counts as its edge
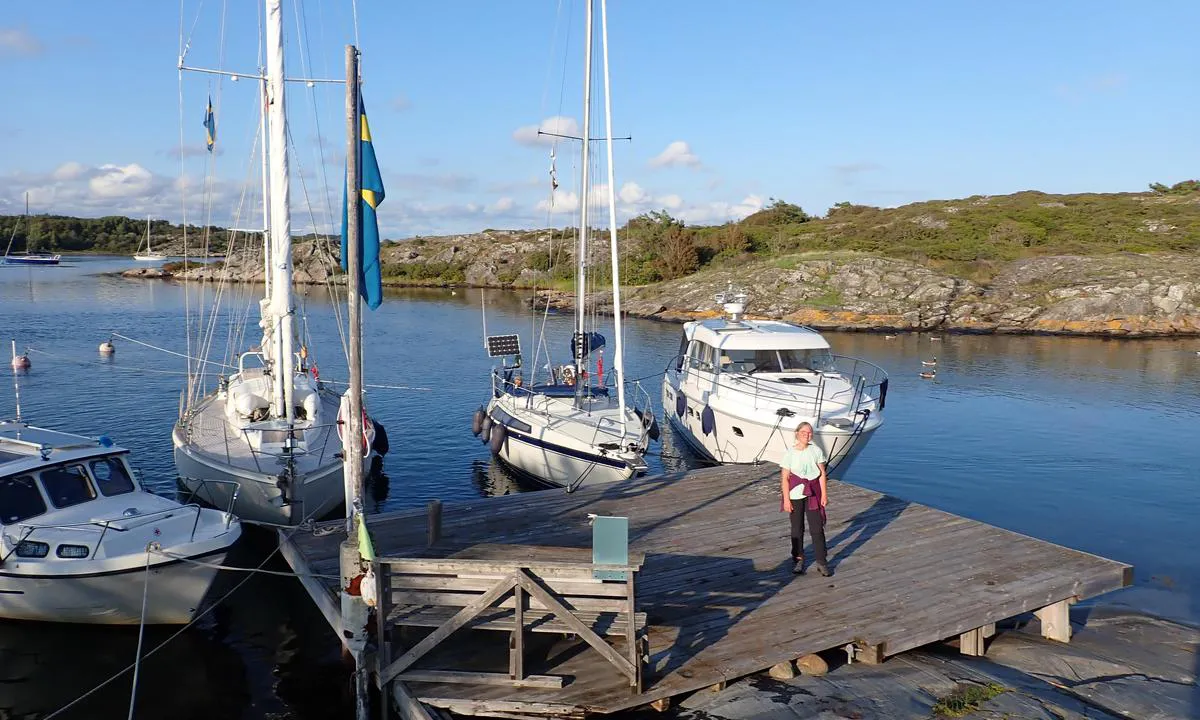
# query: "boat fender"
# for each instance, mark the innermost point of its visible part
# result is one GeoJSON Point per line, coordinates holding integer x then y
{"type": "Point", "coordinates": [497, 438]}
{"type": "Point", "coordinates": [650, 423]}
{"type": "Point", "coordinates": [485, 428]}
{"type": "Point", "coordinates": [708, 420]}
{"type": "Point", "coordinates": [477, 421]}
{"type": "Point", "coordinates": [883, 388]}
{"type": "Point", "coordinates": [680, 405]}
{"type": "Point", "coordinates": [106, 348]}
{"type": "Point", "coordinates": [380, 443]}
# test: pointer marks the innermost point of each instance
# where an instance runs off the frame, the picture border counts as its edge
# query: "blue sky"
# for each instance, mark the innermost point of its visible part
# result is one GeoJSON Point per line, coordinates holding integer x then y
{"type": "Point", "coordinates": [728, 104]}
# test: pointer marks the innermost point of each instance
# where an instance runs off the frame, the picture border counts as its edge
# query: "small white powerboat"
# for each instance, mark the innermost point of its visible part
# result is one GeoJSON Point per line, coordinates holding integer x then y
{"type": "Point", "coordinates": [738, 388]}
{"type": "Point", "coordinates": [78, 535]}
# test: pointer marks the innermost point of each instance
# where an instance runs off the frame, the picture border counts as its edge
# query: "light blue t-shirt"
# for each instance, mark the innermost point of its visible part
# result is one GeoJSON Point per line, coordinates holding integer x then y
{"type": "Point", "coordinates": [803, 463]}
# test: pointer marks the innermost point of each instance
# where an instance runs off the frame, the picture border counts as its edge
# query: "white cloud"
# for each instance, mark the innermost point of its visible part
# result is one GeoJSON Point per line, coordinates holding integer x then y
{"type": "Point", "coordinates": [632, 194]}
{"type": "Point", "coordinates": [70, 171]}
{"type": "Point", "coordinates": [19, 42]}
{"type": "Point", "coordinates": [634, 199]}
{"type": "Point", "coordinates": [75, 188]}
{"type": "Point", "coordinates": [116, 181]}
{"type": "Point", "coordinates": [562, 201]}
{"type": "Point", "coordinates": [720, 211]}
{"type": "Point", "coordinates": [677, 154]}
{"type": "Point", "coordinates": [671, 202]}
{"type": "Point", "coordinates": [502, 205]}
{"type": "Point", "coordinates": [557, 124]}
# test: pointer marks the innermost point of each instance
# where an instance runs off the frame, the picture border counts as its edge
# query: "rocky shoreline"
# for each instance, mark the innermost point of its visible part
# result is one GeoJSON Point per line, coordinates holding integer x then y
{"type": "Point", "coordinates": [1125, 295]}
{"type": "Point", "coordinates": [1112, 295]}
{"type": "Point", "coordinates": [1117, 665]}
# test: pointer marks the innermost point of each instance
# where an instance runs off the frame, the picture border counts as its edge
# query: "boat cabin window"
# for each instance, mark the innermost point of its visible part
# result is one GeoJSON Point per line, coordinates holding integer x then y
{"type": "Point", "coordinates": [701, 356]}
{"type": "Point", "coordinates": [111, 477]}
{"type": "Point", "coordinates": [683, 348]}
{"type": "Point", "coordinates": [814, 360]}
{"type": "Point", "coordinates": [19, 499]}
{"type": "Point", "coordinates": [67, 485]}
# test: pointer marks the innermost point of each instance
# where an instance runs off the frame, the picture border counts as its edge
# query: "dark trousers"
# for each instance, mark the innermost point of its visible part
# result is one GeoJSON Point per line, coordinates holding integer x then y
{"type": "Point", "coordinates": [815, 527]}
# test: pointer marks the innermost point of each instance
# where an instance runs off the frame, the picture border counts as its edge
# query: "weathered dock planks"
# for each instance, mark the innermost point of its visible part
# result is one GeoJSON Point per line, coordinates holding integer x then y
{"type": "Point", "coordinates": [716, 586]}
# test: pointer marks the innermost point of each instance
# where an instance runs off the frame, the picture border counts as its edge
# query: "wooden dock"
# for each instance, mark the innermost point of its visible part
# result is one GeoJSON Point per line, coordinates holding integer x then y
{"type": "Point", "coordinates": [716, 585]}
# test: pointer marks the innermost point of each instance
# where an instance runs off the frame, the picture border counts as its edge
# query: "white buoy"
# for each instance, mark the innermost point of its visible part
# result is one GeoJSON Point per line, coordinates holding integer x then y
{"type": "Point", "coordinates": [106, 348]}
{"type": "Point", "coordinates": [19, 362]}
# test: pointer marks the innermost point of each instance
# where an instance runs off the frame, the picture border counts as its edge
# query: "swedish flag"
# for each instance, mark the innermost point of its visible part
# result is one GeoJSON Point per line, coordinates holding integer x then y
{"type": "Point", "coordinates": [371, 286]}
{"type": "Point", "coordinates": [210, 125]}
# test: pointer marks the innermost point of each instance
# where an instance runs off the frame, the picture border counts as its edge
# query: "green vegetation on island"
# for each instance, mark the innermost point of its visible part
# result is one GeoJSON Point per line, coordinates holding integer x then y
{"type": "Point", "coordinates": [967, 237]}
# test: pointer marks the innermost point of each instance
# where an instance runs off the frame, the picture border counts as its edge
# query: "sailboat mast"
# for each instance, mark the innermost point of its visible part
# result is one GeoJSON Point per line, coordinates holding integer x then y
{"type": "Point", "coordinates": [266, 193]}
{"type": "Point", "coordinates": [281, 302]}
{"type": "Point", "coordinates": [619, 360]}
{"type": "Point", "coordinates": [581, 343]}
{"type": "Point", "coordinates": [148, 250]}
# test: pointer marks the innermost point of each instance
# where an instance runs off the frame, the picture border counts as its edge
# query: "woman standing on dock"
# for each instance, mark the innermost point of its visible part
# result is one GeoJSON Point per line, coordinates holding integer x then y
{"type": "Point", "coordinates": [802, 482]}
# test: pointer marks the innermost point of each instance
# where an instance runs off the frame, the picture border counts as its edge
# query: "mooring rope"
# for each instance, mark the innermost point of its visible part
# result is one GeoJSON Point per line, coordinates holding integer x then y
{"type": "Point", "coordinates": [199, 616]}
{"type": "Point", "coordinates": [137, 657]}
{"type": "Point", "coordinates": [103, 364]}
{"type": "Point", "coordinates": [234, 568]}
{"type": "Point", "coordinates": [172, 352]}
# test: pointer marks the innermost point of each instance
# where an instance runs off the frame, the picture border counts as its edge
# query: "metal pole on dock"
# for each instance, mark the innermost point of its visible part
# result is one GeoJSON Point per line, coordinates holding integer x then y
{"type": "Point", "coordinates": [354, 609]}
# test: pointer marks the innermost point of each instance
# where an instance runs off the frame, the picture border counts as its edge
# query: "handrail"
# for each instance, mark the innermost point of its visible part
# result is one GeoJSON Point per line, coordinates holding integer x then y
{"type": "Point", "coordinates": [861, 379]}
{"type": "Point", "coordinates": [233, 497]}
{"type": "Point", "coordinates": [106, 525]}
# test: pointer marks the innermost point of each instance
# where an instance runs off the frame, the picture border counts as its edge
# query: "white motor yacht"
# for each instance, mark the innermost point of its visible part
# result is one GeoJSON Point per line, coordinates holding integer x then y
{"type": "Point", "coordinates": [738, 389]}
{"type": "Point", "coordinates": [78, 532]}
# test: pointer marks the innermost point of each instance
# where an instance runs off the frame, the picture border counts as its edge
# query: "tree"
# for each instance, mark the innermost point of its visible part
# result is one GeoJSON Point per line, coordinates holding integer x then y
{"type": "Point", "coordinates": [678, 256]}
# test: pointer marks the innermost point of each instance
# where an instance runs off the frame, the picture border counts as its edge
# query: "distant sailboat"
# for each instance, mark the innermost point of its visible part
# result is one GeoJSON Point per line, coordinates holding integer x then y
{"type": "Point", "coordinates": [26, 258]}
{"type": "Point", "coordinates": [149, 255]}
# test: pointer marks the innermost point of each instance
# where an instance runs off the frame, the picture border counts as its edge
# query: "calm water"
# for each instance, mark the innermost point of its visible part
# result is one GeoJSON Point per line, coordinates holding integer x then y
{"type": "Point", "coordinates": [1087, 443]}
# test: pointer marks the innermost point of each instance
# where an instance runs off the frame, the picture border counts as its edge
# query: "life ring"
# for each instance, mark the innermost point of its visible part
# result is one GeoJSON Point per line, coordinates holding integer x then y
{"type": "Point", "coordinates": [366, 437]}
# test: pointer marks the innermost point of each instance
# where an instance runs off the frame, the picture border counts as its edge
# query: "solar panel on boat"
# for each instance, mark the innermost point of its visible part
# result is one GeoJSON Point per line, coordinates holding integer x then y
{"type": "Point", "coordinates": [503, 345]}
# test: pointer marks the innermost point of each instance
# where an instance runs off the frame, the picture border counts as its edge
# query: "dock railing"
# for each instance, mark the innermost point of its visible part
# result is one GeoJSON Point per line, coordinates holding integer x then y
{"type": "Point", "coordinates": [500, 588]}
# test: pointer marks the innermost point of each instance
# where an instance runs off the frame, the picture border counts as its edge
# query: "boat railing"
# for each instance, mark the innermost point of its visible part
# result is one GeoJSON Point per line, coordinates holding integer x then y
{"type": "Point", "coordinates": [115, 524]}
{"type": "Point", "coordinates": [865, 384]}
{"type": "Point", "coordinates": [201, 483]}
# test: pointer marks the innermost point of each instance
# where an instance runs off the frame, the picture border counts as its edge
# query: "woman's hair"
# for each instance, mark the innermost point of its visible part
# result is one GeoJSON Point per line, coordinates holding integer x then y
{"type": "Point", "coordinates": [804, 424]}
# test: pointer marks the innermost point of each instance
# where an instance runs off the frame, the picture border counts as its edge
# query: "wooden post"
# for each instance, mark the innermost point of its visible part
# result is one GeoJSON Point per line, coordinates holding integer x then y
{"type": "Point", "coordinates": [354, 610]}
{"type": "Point", "coordinates": [1056, 621]}
{"type": "Point", "coordinates": [869, 654]}
{"type": "Point", "coordinates": [971, 643]}
{"type": "Point", "coordinates": [434, 527]}
{"type": "Point", "coordinates": [383, 652]}
{"type": "Point", "coordinates": [516, 643]}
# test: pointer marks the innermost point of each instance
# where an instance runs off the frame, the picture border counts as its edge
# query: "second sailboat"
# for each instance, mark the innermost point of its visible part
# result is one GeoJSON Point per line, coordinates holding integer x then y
{"type": "Point", "coordinates": [573, 429]}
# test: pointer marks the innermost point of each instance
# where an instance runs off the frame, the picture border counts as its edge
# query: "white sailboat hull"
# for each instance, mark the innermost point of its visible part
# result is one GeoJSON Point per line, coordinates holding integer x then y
{"type": "Point", "coordinates": [210, 456]}
{"type": "Point", "coordinates": [260, 499]}
{"type": "Point", "coordinates": [552, 443]}
{"type": "Point", "coordinates": [149, 258]}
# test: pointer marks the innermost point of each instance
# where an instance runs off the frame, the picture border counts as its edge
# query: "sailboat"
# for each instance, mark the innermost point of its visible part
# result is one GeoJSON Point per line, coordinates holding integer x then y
{"type": "Point", "coordinates": [270, 428]}
{"type": "Point", "coordinates": [573, 429]}
{"type": "Point", "coordinates": [149, 255]}
{"type": "Point", "coordinates": [26, 258]}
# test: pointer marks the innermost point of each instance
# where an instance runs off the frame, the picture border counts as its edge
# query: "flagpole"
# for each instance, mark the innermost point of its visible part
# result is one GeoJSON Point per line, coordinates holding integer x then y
{"type": "Point", "coordinates": [354, 608]}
